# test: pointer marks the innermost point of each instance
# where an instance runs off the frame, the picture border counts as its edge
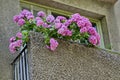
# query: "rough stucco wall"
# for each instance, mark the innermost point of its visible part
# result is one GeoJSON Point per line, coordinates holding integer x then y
{"type": "Point", "coordinates": [70, 61]}
{"type": "Point", "coordinates": [8, 8]}
{"type": "Point", "coordinates": [117, 16]}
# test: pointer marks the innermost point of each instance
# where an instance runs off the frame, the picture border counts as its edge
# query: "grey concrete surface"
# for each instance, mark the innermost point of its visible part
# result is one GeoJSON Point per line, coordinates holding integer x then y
{"type": "Point", "coordinates": [71, 61]}
{"type": "Point", "coordinates": [8, 8]}
{"type": "Point", "coordinates": [117, 17]}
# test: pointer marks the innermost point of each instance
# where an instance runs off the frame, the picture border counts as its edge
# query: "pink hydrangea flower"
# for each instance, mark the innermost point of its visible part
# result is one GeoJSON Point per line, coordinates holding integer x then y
{"type": "Point", "coordinates": [93, 39]}
{"type": "Point", "coordinates": [41, 14]}
{"type": "Point", "coordinates": [19, 35]}
{"type": "Point", "coordinates": [12, 39]}
{"type": "Point", "coordinates": [50, 18]}
{"type": "Point", "coordinates": [49, 26]}
{"type": "Point", "coordinates": [16, 18]}
{"type": "Point", "coordinates": [28, 14]}
{"type": "Point", "coordinates": [81, 24]}
{"type": "Point", "coordinates": [53, 44]}
{"type": "Point", "coordinates": [45, 25]}
{"type": "Point", "coordinates": [83, 30]}
{"type": "Point", "coordinates": [24, 12]}
{"type": "Point", "coordinates": [39, 22]}
{"type": "Point", "coordinates": [68, 22]}
{"type": "Point", "coordinates": [57, 20]}
{"type": "Point", "coordinates": [76, 17]}
{"type": "Point", "coordinates": [92, 31]}
{"type": "Point", "coordinates": [38, 18]}
{"type": "Point", "coordinates": [58, 25]}
{"type": "Point", "coordinates": [18, 43]}
{"type": "Point", "coordinates": [21, 16]}
{"type": "Point", "coordinates": [61, 18]}
{"type": "Point", "coordinates": [98, 38]}
{"type": "Point", "coordinates": [69, 33]}
{"type": "Point", "coordinates": [21, 22]}
{"type": "Point", "coordinates": [12, 47]}
{"type": "Point", "coordinates": [62, 30]}
{"type": "Point", "coordinates": [87, 23]}
{"type": "Point", "coordinates": [30, 17]}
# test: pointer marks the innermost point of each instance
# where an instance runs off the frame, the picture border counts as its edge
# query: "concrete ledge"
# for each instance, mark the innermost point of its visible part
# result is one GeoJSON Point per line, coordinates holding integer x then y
{"type": "Point", "coordinates": [66, 7]}
{"type": "Point", "coordinates": [109, 1]}
{"type": "Point", "coordinates": [71, 61]}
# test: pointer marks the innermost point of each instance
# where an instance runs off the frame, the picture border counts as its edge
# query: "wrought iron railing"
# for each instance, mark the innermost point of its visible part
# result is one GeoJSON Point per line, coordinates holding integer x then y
{"type": "Point", "coordinates": [20, 64]}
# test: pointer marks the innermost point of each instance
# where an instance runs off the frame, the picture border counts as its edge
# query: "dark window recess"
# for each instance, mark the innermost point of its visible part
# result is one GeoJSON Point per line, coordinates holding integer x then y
{"type": "Point", "coordinates": [35, 13]}
{"type": "Point", "coordinates": [56, 14]}
{"type": "Point", "coordinates": [25, 8]}
{"type": "Point", "coordinates": [95, 26]}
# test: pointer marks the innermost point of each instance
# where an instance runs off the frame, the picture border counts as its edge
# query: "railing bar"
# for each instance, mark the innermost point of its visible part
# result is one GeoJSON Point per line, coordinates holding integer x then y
{"type": "Point", "coordinates": [21, 60]}
{"type": "Point", "coordinates": [27, 64]}
{"type": "Point", "coordinates": [18, 70]}
{"type": "Point", "coordinates": [24, 66]}
{"type": "Point", "coordinates": [19, 55]}
{"type": "Point", "coordinates": [21, 70]}
{"type": "Point", "coordinates": [15, 72]}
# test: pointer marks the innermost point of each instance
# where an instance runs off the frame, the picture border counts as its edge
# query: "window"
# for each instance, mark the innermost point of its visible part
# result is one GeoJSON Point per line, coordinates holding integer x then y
{"type": "Point", "coordinates": [35, 8]}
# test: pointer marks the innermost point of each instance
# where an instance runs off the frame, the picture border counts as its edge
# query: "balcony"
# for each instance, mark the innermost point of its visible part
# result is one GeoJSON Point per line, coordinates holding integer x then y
{"type": "Point", "coordinates": [70, 61]}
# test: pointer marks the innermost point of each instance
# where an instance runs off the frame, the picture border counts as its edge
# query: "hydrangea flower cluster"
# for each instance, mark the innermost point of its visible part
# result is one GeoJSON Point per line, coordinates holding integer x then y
{"type": "Point", "coordinates": [23, 17]}
{"type": "Point", "coordinates": [53, 44]}
{"type": "Point", "coordinates": [15, 42]}
{"type": "Point", "coordinates": [77, 27]}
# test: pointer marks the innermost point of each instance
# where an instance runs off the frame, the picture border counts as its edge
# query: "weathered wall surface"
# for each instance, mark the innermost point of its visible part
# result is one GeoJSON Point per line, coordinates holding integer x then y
{"type": "Point", "coordinates": [71, 61]}
{"type": "Point", "coordinates": [8, 8]}
{"type": "Point", "coordinates": [117, 16]}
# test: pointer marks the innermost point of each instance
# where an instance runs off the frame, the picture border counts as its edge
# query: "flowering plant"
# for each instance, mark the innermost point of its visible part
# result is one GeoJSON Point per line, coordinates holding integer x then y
{"type": "Point", "coordinates": [77, 27]}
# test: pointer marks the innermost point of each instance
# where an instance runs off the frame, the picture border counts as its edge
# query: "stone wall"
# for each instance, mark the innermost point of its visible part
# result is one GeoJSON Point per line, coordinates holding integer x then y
{"type": "Point", "coordinates": [8, 8]}
{"type": "Point", "coordinates": [70, 61]}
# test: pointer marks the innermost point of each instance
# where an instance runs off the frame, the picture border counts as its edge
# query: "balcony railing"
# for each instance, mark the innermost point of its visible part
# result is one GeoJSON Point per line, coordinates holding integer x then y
{"type": "Point", "coordinates": [20, 64]}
